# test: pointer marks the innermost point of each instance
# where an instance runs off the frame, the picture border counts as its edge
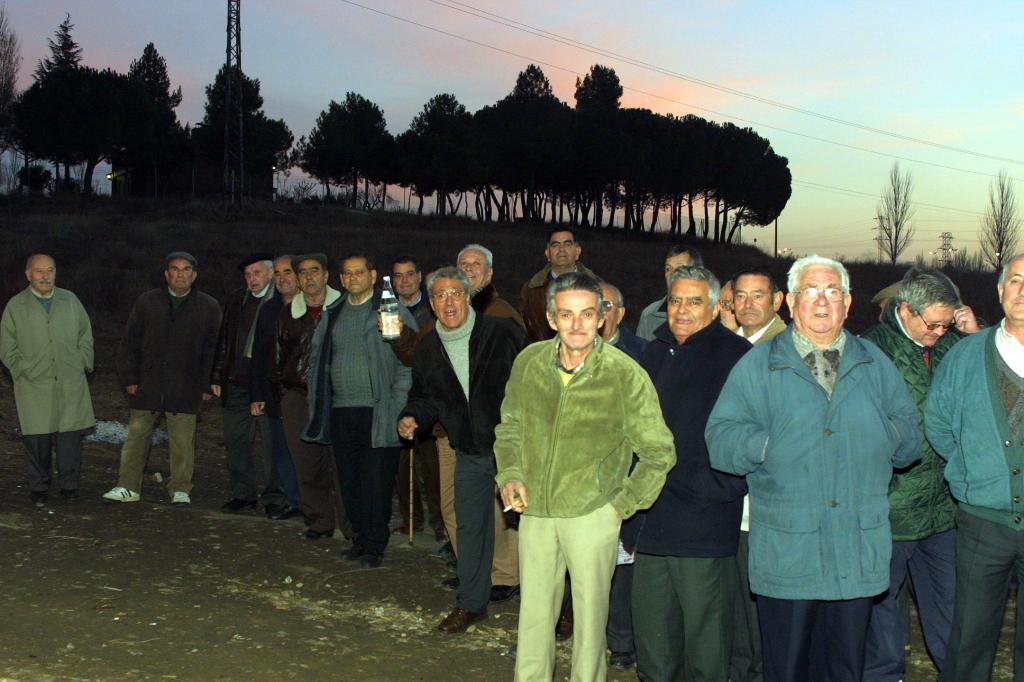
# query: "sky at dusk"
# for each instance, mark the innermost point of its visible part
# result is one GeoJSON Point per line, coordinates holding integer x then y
{"type": "Point", "coordinates": [945, 73]}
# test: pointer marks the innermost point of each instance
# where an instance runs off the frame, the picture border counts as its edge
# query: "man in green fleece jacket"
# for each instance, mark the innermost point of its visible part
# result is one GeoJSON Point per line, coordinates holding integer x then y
{"type": "Point", "coordinates": [575, 411]}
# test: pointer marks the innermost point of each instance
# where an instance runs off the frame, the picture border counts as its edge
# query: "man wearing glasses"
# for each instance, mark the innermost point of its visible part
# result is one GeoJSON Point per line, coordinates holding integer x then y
{"type": "Point", "coordinates": [973, 419]}
{"type": "Point", "coordinates": [458, 379]}
{"type": "Point", "coordinates": [563, 254]}
{"type": "Point", "coordinates": [915, 332]}
{"type": "Point", "coordinates": [816, 419]}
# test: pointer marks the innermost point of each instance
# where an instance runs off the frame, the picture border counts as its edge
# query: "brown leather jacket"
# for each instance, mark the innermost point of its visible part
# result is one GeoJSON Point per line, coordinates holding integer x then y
{"type": "Point", "coordinates": [533, 303]}
{"type": "Point", "coordinates": [289, 362]}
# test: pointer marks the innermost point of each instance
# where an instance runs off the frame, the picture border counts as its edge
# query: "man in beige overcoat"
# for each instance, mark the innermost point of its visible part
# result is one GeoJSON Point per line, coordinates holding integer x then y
{"type": "Point", "coordinates": [46, 343]}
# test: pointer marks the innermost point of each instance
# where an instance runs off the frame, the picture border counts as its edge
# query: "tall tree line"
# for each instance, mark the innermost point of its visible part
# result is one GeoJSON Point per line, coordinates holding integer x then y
{"type": "Point", "coordinates": [532, 157]}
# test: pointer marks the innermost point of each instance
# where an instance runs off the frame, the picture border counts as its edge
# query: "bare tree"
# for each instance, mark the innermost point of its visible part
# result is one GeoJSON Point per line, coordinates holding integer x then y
{"type": "Point", "coordinates": [1000, 228]}
{"type": "Point", "coordinates": [10, 62]}
{"type": "Point", "coordinates": [894, 213]}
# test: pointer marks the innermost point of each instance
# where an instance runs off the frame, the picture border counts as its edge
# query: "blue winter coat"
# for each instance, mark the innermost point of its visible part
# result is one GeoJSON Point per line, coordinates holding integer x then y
{"type": "Point", "coordinates": [818, 470]}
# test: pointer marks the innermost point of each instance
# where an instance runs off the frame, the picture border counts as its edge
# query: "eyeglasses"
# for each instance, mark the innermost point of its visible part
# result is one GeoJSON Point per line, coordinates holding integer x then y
{"type": "Point", "coordinates": [454, 294]}
{"type": "Point", "coordinates": [932, 326]}
{"type": "Point", "coordinates": [831, 294]}
{"type": "Point", "coordinates": [609, 305]}
{"type": "Point", "coordinates": [725, 304]}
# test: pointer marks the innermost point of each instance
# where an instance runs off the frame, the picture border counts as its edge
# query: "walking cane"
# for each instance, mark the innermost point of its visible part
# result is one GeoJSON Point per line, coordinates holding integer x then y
{"type": "Point", "coordinates": [412, 491]}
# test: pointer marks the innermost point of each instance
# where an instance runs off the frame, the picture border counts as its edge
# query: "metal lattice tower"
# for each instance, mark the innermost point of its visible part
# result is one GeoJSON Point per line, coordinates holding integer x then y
{"type": "Point", "coordinates": [944, 256]}
{"type": "Point", "coordinates": [233, 140]}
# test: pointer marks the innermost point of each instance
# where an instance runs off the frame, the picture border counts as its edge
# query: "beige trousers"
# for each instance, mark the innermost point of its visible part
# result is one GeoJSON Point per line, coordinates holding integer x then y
{"type": "Point", "coordinates": [181, 429]}
{"type": "Point", "coordinates": [586, 545]}
{"type": "Point", "coordinates": [505, 567]}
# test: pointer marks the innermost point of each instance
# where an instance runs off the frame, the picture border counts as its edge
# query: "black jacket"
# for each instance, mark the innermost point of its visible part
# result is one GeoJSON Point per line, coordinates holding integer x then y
{"type": "Point", "coordinates": [225, 365]}
{"type": "Point", "coordinates": [263, 346]}
{"type": "Point", "coordinates": [168, 352]}
{"type": "Point", "coordinates": [436, 394]}
{"type": "Point", "coordinates": [698, 511]}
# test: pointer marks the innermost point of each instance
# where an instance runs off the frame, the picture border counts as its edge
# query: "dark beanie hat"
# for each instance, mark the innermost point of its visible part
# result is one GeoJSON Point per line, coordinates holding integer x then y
{"type": "Point", "coordinates": [254, 258]}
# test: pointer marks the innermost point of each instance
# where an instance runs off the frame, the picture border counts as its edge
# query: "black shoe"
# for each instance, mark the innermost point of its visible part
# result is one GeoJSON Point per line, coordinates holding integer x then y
{"type": "Point", "coordinates": [317, 534]}
{"type": "Point", "coordinates": [69, 495]}
{"type": "Point", "coordinates": [503, 592]}
{"type": "Point", "coordinates": [236, 505]}
{"type": "Point", "coordinates": [280, 512]}
{"type": "Point", "coordinates": [450, 583]}
{"type": "Point", "coordinates": [622, 660]}
{"type": "Point", "coordinates": [353, 553]}
{"type": "Point", "coordinates": [370, 560]}
{"type": "Point", "coordinates": [39, 499]}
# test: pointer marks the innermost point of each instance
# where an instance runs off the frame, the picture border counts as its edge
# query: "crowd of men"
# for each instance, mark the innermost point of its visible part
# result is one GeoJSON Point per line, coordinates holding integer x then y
{"type": "Point", "coordinates": [718, 496]}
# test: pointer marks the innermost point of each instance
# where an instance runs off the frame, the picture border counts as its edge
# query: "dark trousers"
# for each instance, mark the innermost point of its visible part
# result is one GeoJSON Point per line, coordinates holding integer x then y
{"type": "Point", "coordinates": [474, 509]}
{"type": "Point", "coordinates": [38, 449]}
{"type": "Point", "coordinates": [931, 565]}
{"type": "Point", "coordinates": [284, 467]}
{"type": "Point", "coordinates": [813, 640]}
{"type": "Point", "coordinates": [745, 665]}
{"type": "Point", "coordinates": [682, 617]}
{"type": "Point", "coordinates": [619, 631]}
{"type": "Point", "coordinates": [427, 484]}
{"type": "Point", "coordinates": [367, 476]}
{"type": "Point", "coordinates": [312, 464]}
{"type": "Point", "coordinates": [987, 555]}
{"type": "Point", "coordinates": [239, 435]}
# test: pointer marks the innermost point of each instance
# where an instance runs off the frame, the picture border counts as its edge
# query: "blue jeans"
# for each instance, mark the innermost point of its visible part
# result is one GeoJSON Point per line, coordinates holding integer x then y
{"type": "Point", "coordinates": [931, 565]}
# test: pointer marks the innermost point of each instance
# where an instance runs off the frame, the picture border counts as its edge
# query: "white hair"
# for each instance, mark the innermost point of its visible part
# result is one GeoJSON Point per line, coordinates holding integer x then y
{"type": "Point", "coordinates": [801, 264]}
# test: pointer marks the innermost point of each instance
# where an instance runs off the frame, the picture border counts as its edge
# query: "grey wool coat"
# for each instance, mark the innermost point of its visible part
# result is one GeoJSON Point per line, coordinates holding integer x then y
{"type": "Point", "coordinates": [49, 354]}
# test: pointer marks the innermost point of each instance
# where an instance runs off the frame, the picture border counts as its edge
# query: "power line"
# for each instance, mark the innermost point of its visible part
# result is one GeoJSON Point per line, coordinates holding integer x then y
{"type": "Point", "coordinates": [873, 197]}
{"type": "Point", "coordinates": [593, 49]}
{"type": "Point", "coordinates": [721, 114]}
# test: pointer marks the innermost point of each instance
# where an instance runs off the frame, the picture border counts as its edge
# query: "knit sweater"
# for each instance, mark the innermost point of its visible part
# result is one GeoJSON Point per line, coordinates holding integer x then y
{"type": "Point", "coordinates": [456, 345]}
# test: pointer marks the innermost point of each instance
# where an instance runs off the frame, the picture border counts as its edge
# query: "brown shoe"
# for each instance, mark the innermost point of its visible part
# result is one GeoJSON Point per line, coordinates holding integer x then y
{"type": "Point", "coordinates": [459, 619]}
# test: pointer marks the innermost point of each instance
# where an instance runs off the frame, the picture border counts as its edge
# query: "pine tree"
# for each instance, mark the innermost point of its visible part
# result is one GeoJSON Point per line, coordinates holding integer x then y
{"type": "Point", "coordinates": [65, 53]}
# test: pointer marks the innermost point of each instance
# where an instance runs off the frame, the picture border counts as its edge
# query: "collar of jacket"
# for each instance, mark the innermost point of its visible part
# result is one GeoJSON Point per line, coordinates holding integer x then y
{"type": "Point", "coordinates": [343, 299]}
{"type": "Point", "coordinates": [783, 355]}
{"type": "Point", "coordinates": [483, 298]}
{"type": "Point", "coordinates": [700, 336]}
{"type": "Point", "coordinates": [541, 278]}
{"type": "Point", "coordinates": [592, 361]}
{"type": "Point", "coordinates": [298, 305]}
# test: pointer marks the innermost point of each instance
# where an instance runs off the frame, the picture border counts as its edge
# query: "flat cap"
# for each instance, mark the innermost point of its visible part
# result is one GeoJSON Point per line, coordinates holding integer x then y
{"type": "Point", "coordinates": [320, 258]}
{"type": "Point", "coordinates": [183, 255]}
{"type": "Point", "coordinates": [887, 292]}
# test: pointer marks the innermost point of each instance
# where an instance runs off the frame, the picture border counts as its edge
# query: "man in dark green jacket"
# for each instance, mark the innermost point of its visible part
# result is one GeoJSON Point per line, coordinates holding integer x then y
{"type": "Point", "coordinates": [915, 331]}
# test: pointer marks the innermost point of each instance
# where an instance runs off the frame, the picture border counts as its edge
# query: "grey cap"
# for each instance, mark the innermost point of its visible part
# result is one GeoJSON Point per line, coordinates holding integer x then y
{"type": "Point", "coordinates": [887, 292]}
{"type": "Point", "coordinates": [183, 255]}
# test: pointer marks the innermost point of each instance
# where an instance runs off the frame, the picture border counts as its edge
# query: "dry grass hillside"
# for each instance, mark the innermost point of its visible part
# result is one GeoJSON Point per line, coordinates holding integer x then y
{"type": "Point", "coordinates": [109, 251]}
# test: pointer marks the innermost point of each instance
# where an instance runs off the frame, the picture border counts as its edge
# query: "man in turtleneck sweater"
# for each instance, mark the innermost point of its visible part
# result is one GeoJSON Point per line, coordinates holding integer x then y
{"type": "Point", "coordinates": [459, 376]}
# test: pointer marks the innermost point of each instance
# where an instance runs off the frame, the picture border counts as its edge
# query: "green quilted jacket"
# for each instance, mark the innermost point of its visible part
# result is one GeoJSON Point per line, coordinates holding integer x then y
{"type": "Point", "coordinates": [919, 501]}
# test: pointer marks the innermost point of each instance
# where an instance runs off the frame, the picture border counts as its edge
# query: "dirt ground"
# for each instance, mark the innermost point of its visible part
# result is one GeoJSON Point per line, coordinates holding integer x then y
{"type": "Point", "coordinates": [97, 591]}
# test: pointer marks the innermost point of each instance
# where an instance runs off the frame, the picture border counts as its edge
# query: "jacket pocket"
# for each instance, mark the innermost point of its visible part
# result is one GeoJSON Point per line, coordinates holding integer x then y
{"type": "Point", "coordinates": [875, 543]}
{"type": "Point", "coordinates": [785, 544]}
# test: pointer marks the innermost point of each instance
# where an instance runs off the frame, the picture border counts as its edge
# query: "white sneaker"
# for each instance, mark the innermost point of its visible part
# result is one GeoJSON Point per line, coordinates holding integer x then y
{"type": "Point", "coordinates": [121, 494]}
{"type": "Point", "coordinates": [180, 499]}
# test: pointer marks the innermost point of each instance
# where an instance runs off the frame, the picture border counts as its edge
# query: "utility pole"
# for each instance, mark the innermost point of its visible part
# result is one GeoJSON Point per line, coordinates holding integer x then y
{"type": "Point", "coordinates": [946, 250]}
{"type": "Point", "coordinates": [776, 236]}
{"type": "Point", "coordinates": [234, 177]}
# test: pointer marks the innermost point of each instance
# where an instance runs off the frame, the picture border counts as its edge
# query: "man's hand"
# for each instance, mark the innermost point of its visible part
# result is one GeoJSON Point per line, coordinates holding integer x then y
{"type": "Point", "coordinates": [131, 389]}
{"type": "Point", "coordinates": [206, 397]}
{"type": "Point", "coordinates": [407, 427]}
{"type": "Point", "coordinates": [965, 320]}
{"type": "Point", "coordinates": [256, 409]}
{"type": "Point", "coordinates": [513, 495]}
{"type": "Point", "coordinates": [216, 389]}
